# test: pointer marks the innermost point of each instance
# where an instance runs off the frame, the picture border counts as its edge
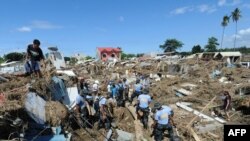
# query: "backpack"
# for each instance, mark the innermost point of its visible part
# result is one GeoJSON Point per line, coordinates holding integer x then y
{"type": "Point", "coordinates": [96, 104]}
{"type": "Point", "coordinates": [120, 88]}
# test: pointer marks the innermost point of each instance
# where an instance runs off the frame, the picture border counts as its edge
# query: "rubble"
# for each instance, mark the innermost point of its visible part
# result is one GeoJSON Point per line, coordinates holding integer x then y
{"type": "Point", "coordinates": [185, 85]}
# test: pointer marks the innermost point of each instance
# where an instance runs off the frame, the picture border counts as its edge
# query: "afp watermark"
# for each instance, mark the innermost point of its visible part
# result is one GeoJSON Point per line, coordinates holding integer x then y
{"type": "Point", "coordinates": [235, 132]}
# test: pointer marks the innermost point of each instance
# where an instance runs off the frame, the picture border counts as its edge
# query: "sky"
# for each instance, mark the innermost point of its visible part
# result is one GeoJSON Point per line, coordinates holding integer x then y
{"type": "Point", "coordinates": [137, 26]}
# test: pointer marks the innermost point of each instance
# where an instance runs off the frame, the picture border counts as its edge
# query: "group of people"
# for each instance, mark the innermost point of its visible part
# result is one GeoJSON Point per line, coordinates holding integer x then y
{"type": "Point", "coordinates": [118, 94]}
{"type": "Point", "coordinates": [90, 98]}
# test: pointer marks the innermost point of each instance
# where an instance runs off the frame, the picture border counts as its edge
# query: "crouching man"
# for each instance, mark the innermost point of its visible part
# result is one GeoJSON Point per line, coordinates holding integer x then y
{"type": "Point", "coordinates": [104, 118]}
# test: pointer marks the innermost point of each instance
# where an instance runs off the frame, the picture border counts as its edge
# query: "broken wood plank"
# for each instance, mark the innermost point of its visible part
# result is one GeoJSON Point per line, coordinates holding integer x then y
{"type": "Point", "coordinates": [183, 91]}
{"type": "Point", "coordinates": [213, 135]}
{"type": "Point", "coordinates": [196, 137]}
{"type": "Point", "coordinates": [211, 101]}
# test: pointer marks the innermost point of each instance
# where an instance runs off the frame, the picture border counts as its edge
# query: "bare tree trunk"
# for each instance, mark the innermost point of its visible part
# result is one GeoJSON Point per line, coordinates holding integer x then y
{"type": "Point", "coordinates": [235, 36]}
{"type": "Point", "coordinates": [222, 37]}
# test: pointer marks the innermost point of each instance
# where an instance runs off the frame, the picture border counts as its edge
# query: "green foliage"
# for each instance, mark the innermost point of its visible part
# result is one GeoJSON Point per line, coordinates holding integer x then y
{"type": "Point", "coordinates": [225, 21]}
{"type": "Point", "coordinates": [1, 60]}
{"type": "Point", "coordinates": [14, 56]}
{"type": "Point", "coordinates": [139, 54]}
{"type": "Point", "coordinates": [171, 45]}
{"type": "Point", "coordinates": [243, 50]}
{"type": "Point", "coordinates": [197, 49]}
{"type": "Point", "coordinates": [236, 14]}
{"type": "Point", "coordinates": [125, 56]}
{"type": "Point", "coordinates": [66, 59]}
{"type": "Point", "coordinates": [73, 61]}
{"type": "Point", "coordinates": [88, 58]}
{"type": "Point", "coordinates": [212, 44]}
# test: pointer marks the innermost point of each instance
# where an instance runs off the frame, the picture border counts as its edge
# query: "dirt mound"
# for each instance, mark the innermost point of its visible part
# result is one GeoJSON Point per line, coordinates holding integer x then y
{"type": "Point", "coordinates": [55, 112]}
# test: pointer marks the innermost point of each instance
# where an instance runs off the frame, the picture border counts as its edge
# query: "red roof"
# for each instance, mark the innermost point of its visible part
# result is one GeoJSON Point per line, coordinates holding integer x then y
{"type": "Point", "coordinates": [108, 49]}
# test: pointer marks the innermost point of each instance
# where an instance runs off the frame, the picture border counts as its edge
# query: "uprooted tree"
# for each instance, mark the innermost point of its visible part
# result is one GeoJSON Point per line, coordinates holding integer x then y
{"type": "Point", "coordinates": [171, 45]}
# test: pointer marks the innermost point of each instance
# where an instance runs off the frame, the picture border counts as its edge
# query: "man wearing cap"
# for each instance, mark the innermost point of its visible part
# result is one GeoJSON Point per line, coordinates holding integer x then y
{"type": "Point", "coordinates": [33, 57]}
{"type": "Point", "coordinates": [143, 103]}
{"type": "Point", "coordinates": [161, 122]}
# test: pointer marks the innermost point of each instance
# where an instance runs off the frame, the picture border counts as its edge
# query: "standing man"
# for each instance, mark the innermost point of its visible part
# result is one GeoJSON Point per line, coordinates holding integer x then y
{"type": "Point", "coordinates": [161, 122]}
{"type": "Point", "coordinates": [126, 88]}
{"type": "Point", "coordinates": [227, 103]}
{"type": "Point", "coordinates": [143, 105]}
{"type": "Point", "coordinates": [137, 90]}
{"type": "Point", "coordinates": [35, 55]}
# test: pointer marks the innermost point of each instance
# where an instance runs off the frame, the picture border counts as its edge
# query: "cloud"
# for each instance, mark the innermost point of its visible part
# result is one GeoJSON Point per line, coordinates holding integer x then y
{"type": "Point", "coordinates": [182, 10]}
{"type": "Point", "coordinates": [121, 19]}
{"type": "Point", "coordinates": [222, 2]}
{"type": "Point", "coordinates": [244, 32]}
{"type": "Point", "coordinates": [24, 29]}
{"type": "Point", "coordinates": [228, 2]}
{"type": "Point", "coordinates": [38, 25]}
{"type": "Point", "coordinates": [243, 38]}
{"type": "Point", "coordinates": [44, 25]}
{"type": "Point", "coordinates": [246, 5]}
{"type": "Point", "coordinates": [200, 8]}
{"type": "Point", "coordinates": [206, 8]}
{"type": "Point", "coordinates": [235, 2]}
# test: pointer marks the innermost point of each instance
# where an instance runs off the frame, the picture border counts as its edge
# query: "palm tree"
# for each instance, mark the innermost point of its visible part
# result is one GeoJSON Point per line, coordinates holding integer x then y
{"type": "Point", "coordinates": [236, 14]}
{"type": "Point", "coordinates": [224, 23]}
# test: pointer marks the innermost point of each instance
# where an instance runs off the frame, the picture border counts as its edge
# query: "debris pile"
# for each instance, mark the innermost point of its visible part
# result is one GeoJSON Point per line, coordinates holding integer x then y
{"type": "Point", "coordinates": [192, 88]}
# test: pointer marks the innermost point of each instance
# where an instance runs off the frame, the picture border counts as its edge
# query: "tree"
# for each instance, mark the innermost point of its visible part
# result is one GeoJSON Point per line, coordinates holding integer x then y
{"type": "Point", "coordinates": [197, 49]}
{"type": "Point", "coordinates": [212, 44]}
{"type": "Point", "coordinates": [127, 56]}
{"type": "Point", "coordinates": [1, 60]}
{"type": "Point", "coordinates": [236, 14]}
{"type": "Point", "coordinates": [171, 45]}
{"type": "Point", "coordinates": [14, 56]}
{"type": "Point", "coordinates": [224, 23]}
{"type": "Point", "coordinates": [66, 59]}
{"type": "Point", "coordinates": [88, 58]}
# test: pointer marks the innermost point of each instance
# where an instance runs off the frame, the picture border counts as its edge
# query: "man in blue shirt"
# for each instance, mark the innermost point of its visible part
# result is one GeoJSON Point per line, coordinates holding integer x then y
{"type": "Point", "coordinates": [137, 90]}
{"type": "Point", "coordinates": [143, 106]}
{"type": "Point", "coordinates": [81, 109]}
{"type": "Point", "coordinates": [162, 122]}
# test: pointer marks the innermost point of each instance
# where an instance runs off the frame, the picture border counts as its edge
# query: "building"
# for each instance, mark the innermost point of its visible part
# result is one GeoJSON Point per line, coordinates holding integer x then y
{"type": "Point", "coordinates": [229, 57]}
{"type": "Point", "coordinates": [108, 53]}
{"type": "Point", "coordinates": [56, 58]}
{"type": "Point", "coordinates": [11, 67]}
{"type": "Point", "coordinates": [245, 61]}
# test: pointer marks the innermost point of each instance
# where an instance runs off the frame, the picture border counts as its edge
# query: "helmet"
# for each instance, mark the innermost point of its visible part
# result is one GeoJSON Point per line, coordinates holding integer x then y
{"type": "Point", "coordinates": [157, 105]}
